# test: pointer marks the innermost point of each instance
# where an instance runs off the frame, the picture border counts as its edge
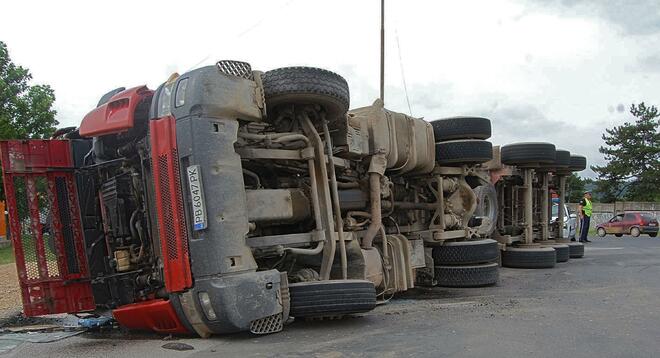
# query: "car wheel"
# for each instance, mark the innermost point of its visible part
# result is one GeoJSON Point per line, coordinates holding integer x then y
{"type": "Point", "coordinates": [653, 234]}
{"type": "Point", "coordinates": [634, 232]}
{"type": "Point", "coordinates": [618, 235]}
{"type": "Point", "coordinates": [601, 232]}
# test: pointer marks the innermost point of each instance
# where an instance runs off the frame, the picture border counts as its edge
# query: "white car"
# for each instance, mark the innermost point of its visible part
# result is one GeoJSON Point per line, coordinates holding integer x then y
{"type": "Point", "coordinates": [570, 220]}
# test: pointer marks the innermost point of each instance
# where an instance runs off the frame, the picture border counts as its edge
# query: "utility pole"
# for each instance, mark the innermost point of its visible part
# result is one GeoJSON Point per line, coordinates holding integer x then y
{"type": "Point", "coordinates": [382, 50]}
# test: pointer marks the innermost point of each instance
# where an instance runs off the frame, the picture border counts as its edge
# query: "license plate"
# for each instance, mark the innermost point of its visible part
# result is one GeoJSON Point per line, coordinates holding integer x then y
{"type": "Point", "coordinates": [197, 197]}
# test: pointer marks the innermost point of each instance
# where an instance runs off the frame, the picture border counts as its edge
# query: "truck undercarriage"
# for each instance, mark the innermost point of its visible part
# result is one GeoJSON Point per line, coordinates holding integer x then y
{"type": "Point", "coordinates": [230, 199]}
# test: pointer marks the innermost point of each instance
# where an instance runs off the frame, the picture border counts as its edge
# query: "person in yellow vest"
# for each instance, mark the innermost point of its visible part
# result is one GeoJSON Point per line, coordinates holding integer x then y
{"type": "Point", "coordinates": [585, 210]}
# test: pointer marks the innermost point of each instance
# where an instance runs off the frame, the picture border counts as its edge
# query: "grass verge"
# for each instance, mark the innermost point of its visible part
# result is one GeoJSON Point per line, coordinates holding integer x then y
{"type": "Point", "coordinates": [6, 255]}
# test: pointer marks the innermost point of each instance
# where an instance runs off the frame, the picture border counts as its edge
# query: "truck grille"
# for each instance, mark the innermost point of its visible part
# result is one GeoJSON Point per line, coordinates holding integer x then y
{"type": "Point", "coordinates": [266, 325]}
{"type": "Point", "coordinates": [235, 68]}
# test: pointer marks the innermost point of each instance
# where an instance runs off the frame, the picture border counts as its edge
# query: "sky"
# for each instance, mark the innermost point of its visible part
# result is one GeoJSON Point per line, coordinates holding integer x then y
{"type": "Point", "coordinates": [542, 70]}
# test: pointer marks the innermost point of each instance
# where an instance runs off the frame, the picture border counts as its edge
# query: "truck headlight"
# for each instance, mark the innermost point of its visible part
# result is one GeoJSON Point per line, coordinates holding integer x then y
{"type": "Point", "coordinates": [180, 96]}
{"type": "Point", "coordinates": [205, 302]}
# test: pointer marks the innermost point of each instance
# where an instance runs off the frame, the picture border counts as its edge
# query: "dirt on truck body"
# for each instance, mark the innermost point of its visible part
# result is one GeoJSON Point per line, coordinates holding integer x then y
{"type": "Point", "coordinates": [230, 200]}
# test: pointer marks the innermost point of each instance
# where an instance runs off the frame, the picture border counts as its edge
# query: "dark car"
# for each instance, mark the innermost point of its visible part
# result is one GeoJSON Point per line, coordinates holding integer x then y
{"type": "Point", "coordinates": [633, 223]}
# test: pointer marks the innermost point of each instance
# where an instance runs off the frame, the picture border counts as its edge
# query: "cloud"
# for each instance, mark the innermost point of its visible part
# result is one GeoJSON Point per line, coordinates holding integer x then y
{"type": "Point", "coordinates": [648, 63]}
{"type": "Point", "coordinates": [633, 17]}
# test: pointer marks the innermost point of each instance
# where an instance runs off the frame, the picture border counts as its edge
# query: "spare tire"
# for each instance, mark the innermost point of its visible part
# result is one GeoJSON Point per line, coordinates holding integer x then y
{"type": "Point", "coordinates": [533, 257]}
{"type": "Point", "coordinates": [306, 85]}
{"type": "Point", "coordinates": [331, 298]}
{"type": "Point", "coordinates": [528, 153]}
{"type": "Point", "coordinates": [464, 151]}
{"type": "Point", "coordinates": [467, 276]}
{"type": "Point", "coordinates": [486, 207]}
{"type": "Point", "coordinates": [578, 163]}
{"type": "Point", "coordinates": [466, 252]}
{"type": "Point", "coordinates": [461, 128]}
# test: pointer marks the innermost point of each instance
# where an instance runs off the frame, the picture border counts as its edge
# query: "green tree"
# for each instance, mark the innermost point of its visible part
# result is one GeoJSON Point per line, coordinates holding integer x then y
{"type": "Point", "coordinates": [632, 152]}
{"type": "Point", "coordinates": [25, 110]}
{"type": "Point", "coordinates": [574, 188]}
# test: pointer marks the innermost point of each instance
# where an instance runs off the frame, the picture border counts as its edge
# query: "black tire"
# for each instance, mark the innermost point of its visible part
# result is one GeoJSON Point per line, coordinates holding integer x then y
{"type": "Point", "coordinates": [466, 252]}
{"type": "Point", "coordinates": [562, 252]}
{"type": "Point", "coordinates": [653, 234]}
{"type": "Point", "coordinates": [465, 151]}
{"type": "Point", "coordinates": [467, 276]}
{"type": "Point", "coordinates": [307, 85]}
{"type": "Point", "coordinates": [461, 128]}
{"type": "Point", "coordinates": [601, 232]}
{"type": "Point", "coordinates": [576, 250]}
{"type": "Point", "coordinates": [578, 163]}
{"type": "Point", "coordinates": [562, 158]}
{"type": "Point", "coordinates": [532, 258]}
{"type": "Point", "coordinates": [618, 235]}
{"type": "Point", "coordinates": [528, 153]}
{"type": "Point", "coordinates": [331, 298]}
{"type": "Point", "coordinates": [486, 206]}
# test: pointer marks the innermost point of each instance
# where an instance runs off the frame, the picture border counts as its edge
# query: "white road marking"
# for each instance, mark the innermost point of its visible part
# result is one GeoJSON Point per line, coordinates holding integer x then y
{"type": "Point", "coordinates": [603, 248]}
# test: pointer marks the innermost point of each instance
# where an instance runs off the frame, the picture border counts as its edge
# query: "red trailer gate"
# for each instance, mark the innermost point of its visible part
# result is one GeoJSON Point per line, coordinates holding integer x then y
{"type": "Point", "coordinates": [45, 226]}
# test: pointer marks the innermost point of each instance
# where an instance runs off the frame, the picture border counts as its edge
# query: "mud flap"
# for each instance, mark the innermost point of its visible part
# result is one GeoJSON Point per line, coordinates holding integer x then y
{"type": "Point", "coordinates": [45, 226]}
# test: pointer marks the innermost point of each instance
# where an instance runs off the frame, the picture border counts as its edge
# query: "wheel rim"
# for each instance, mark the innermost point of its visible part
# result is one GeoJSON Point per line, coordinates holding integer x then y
{"type": "Point", "coordinates": [601, 232]}
{"type": "Point", "coordinates": [634, 232]}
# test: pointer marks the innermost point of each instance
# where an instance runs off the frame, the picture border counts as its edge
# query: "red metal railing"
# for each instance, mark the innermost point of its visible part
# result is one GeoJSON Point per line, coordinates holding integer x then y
{"type": "Point", "coordinates": [45, 227]}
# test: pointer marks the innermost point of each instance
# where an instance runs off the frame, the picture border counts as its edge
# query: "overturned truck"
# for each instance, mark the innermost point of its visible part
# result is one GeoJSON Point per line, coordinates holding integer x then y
{"type": "Point", "coordinates": [230, 200]}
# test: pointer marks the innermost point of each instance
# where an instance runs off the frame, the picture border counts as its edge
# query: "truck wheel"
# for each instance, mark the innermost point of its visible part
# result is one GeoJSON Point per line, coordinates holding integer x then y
{"type": "Point", "coordinates": [465, 151]}
{"type": "Point", "coordinates": [528, 153]}
{"type": "Point", "coordinates": [331, 298]}
{"type": "Point", "coordinates": [467, 276]}
{"type": "Point", "coordinates": [486, 206]}
{"type": "Point", "coordinates": [634, 232]}
{"type": "Point", "coordinates": [466, 252]}
{"type": "Point", "coordinates": [533, 258]}
{"type": "Point", "coordinates": [562, 252]}
{"type": "Point", "coordinates": [576, 250]}
{"type": "Point", "coordinates": [461, 128]}
{"type": "Point", "coordinates": [562, 158]}
{"type": "Point", "coordinates": [601, 232]}
{"type": "Point", "coordinates": [578, 163]}
{"type": "Point", "coordinates": [306, 85]}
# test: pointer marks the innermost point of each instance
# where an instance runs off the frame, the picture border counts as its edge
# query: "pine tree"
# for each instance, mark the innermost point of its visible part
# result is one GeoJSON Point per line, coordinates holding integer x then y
{"type": "Point", "coordinates": [632, 152]}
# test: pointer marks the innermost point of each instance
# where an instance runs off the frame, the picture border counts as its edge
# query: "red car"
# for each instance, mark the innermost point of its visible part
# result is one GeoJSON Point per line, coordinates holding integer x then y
{"type": "Point", "coordinates": [633, 223]}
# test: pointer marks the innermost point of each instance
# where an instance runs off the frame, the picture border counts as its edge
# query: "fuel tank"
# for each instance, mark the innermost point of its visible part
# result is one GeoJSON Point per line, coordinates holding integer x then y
{"type": "Point", "coordinates": [406, 141]}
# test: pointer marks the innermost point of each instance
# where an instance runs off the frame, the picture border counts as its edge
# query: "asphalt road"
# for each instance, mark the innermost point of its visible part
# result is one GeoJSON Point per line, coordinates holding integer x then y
{"type": "Point", "coordinates": [606, 304]}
